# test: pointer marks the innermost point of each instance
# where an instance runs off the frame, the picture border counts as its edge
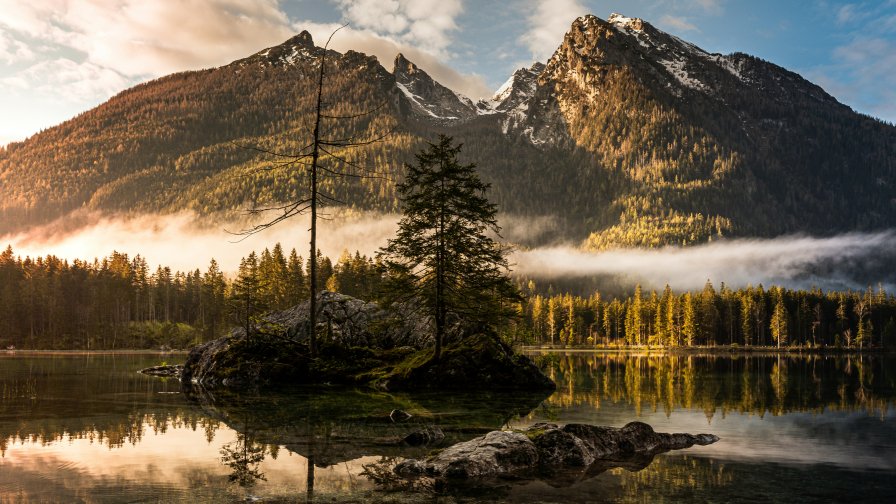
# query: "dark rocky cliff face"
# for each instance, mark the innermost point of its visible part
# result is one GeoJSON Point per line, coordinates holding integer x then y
{"type": "Point", "coordinates": [427, 97]}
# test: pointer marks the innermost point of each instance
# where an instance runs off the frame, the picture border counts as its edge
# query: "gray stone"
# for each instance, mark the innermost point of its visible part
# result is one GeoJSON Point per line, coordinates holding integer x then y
{"type": "Point", "coordinates": [546, 448]}
{"type": "Point", "coordinates": [164, 371]}
{"type": "Point", "coordinates": [426, 436]}
{"type": "Point", "coordinates": [349, 321]}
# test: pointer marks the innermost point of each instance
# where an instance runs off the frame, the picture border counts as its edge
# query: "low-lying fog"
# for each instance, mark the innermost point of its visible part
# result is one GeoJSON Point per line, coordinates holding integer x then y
{"type": "Point", "coordinates": [852, 260]}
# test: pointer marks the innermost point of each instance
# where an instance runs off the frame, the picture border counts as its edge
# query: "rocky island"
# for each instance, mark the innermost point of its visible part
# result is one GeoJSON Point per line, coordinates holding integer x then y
{"type": "Point", "coordinates": [361, 344]}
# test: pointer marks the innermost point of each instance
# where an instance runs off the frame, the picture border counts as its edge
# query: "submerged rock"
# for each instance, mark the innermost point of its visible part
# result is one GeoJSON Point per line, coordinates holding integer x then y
{"type": "Point", "coordinates": [425, 436]}
{"type": "Point", "coordinates": [174, 371]}
{"type": "Point", "coordinates": [398, 415]}
{"type": "Point", "coordinates": [544, 449]}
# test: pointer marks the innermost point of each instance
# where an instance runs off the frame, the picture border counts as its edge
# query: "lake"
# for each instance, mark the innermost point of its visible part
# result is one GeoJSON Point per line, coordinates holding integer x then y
{"type": "Point", "coordinates": [89, 428]}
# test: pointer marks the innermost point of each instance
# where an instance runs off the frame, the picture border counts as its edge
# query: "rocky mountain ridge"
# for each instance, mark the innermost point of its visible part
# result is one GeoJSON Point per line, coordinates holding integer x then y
{"type": "Point", "coordinates": [627, 136]}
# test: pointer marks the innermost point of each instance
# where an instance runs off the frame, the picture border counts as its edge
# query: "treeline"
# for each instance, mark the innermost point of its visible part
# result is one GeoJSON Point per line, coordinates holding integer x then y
{"type": "Point", "coordinates": [119, 302]}
{"type": "Point", "coordinates": [752, 316]}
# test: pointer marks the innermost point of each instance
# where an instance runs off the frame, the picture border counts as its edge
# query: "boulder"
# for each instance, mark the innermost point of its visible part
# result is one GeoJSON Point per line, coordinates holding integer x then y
{"type": "Point", "coordinates": [347, 321]}
{"type": "Point", "coordinates": [425, 436]}
{"type": "Point", "coordinates": [544, 449]}
{"type": "Point", "coordinates": [237, 363]}
{"type": "Point", "coordinates": [480, 360]}
{"type": "Point", "coordinates": [174, 371]}
{"type": "Point", "coordinates": [360, 345]}
{"type": "Point", "coordinates": [496, 453]}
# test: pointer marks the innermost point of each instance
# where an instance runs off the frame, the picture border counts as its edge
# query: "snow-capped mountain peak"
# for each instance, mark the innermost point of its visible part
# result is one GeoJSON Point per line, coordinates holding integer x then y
{"type": "Point", "coordinates": [625, 23]}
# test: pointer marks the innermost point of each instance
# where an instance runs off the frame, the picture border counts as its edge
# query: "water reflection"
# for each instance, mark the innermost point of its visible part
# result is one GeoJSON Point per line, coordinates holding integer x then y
{"type": "Point", "coordinates": [89, 428]}
{"type": "Point", "coordinates": [334, 426]}
{"type": "Point", "coordinates": [759, 385]}
{"type": "Point", "coordinates": [243, 457]}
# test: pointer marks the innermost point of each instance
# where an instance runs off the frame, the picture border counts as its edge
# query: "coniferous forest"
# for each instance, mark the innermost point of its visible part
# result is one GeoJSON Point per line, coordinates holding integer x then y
{"type": "Point", "coordinates": [120, 302]}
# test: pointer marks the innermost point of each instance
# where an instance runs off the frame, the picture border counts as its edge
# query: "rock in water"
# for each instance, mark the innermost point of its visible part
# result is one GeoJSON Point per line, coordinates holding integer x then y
{"type": "Point", "coordinates": [545, 448]}
{"type": "Point", "coordinates": [426, 436]}
{"type": "Point", "coordinates": [360, 345]}
{"type": "Point", "coordinates": [480, 360]}
{"type": "Point", "coordinates": [398, 415]}
{"type": "Point", "coordinates": [164, 371]}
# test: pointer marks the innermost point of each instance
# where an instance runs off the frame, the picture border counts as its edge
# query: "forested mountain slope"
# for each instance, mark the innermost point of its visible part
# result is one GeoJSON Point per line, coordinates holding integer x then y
{"type": "Point", "coordinates": [628, 136]}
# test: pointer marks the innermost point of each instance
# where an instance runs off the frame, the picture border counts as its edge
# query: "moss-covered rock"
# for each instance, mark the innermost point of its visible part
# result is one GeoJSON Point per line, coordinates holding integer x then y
{"type": "Point", "coordinates": [354, 353]}
{"type": "Point", "coordinates": [235, 362]}
{"type": "Point", "coordinates": [481, 360]}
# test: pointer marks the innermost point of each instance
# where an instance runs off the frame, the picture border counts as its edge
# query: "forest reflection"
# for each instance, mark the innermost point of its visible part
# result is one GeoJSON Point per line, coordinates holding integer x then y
{"type": "Point", "coordinates": [72, 427]}
{"type": "Point", "coordinates": [747, 384]}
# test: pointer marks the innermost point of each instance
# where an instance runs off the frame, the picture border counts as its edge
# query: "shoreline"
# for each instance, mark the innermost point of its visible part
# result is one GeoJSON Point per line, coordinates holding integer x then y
{"type": "Point", "coordinates": [93, 352]}
{"type": "Point", "coordinates": [704, 350]}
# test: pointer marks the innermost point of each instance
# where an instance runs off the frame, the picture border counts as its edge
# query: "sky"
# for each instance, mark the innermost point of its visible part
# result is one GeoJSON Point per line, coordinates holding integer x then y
{"type": "Point", "coordinates": [62, 57]}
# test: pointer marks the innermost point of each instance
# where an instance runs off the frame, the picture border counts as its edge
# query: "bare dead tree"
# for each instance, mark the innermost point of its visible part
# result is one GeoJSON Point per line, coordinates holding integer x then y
{"type": "Point", "coordinates": [310, 157]}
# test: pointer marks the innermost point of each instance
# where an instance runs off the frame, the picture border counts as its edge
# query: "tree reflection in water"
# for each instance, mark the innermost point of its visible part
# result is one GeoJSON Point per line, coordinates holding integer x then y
{"type": "Point", "coordinates": [56, 402]}
{"type": "Point", "coordinates": [243, 457]}
{"type": "Point", "coordinates": [743, 383]}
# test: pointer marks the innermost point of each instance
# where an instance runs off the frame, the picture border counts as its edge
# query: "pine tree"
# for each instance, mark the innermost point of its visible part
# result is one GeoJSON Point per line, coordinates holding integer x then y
{"type": "Point", "coordinates": [245, 295]}
{"type": "Point", "coordinates": [637, 324]}
{"type": "Point", "coordinates": [442, 254]}
{"type": "Point", "coordinates": [778, 324]}
{"type": "Point", "coordinates": [690, 326]}
{"type": "Point", "coordinates": [213, 292]}
{"type": "Point", "coordinates": [297, 288]}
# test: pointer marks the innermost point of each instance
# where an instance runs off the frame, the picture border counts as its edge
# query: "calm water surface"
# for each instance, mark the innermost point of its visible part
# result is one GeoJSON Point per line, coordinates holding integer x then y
{"type": "Point", "coordinates": [89, 428]}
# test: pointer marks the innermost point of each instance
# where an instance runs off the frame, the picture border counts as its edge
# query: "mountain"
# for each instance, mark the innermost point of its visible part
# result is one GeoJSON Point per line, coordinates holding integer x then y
{"type": "Point", "coordinates": [428, 97]}
{"type": "Point", "coordinates": [627, 136]}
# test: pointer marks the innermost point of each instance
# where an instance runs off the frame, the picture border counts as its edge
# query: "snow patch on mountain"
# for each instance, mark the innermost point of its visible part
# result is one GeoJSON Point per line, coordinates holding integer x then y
{"type": "Point", "coordinates": [677, 69]}
{"type": "Point", "coordinates": [625, 24]}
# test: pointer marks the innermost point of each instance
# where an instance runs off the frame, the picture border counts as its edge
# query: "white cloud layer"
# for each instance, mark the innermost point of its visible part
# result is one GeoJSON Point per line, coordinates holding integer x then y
{"type": "Point", "coordinates": [177, 241]}
{"type": "Point", "coordinates": [63, 80]}
{"type": "Point", "coordinates": [677, 23]}
{"type": "Point", "coordinates": [12, 50]}
{"type": "Point", "coordinates": [548, 23]}
{"type": "Point", "coordinates": [135, 37]}
{"type": "Point", "coordinates": [425, 24]}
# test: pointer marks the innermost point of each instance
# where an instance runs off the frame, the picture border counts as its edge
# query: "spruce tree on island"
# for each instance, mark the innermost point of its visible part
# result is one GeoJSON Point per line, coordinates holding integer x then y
{"type": "Point", "coordinates": [443, 255]}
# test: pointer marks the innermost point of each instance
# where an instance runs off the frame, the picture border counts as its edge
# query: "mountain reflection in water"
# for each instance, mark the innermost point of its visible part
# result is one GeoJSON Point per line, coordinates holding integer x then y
{"type": "Point", "coordinates": [88, 428]}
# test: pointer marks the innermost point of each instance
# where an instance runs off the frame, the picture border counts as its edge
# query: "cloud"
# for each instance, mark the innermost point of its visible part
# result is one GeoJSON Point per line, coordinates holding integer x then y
{"type": "Point", "coordinates": [64, 80]}
{"type": "Point", "coordinates": [796, 261]}
{"type": "Point", "coordinates": [863, 74]}
{"type": "Point", "coordinates": [548, 23]}
{"type": "Point", "coordinates": [135, 37]}
{"type": "Point", "coordinates": [849, 13]}
{"type": "Point", "coordinates": [425, 24]}
{"type": "Point", "coordinates": [709, 6]}
{"type": "Point", "coordinates": [13, 51]}
{"type": "Point", "coordinates": [678, 23]}
{"type": "Point", "coordinates": [862, 70]}
{"type": "Point", "coordinates": [162, 240]}
{"type": "Point", "coordinates": [52, 90]}
{"type": "Point", "coordinates": [839, 262]}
